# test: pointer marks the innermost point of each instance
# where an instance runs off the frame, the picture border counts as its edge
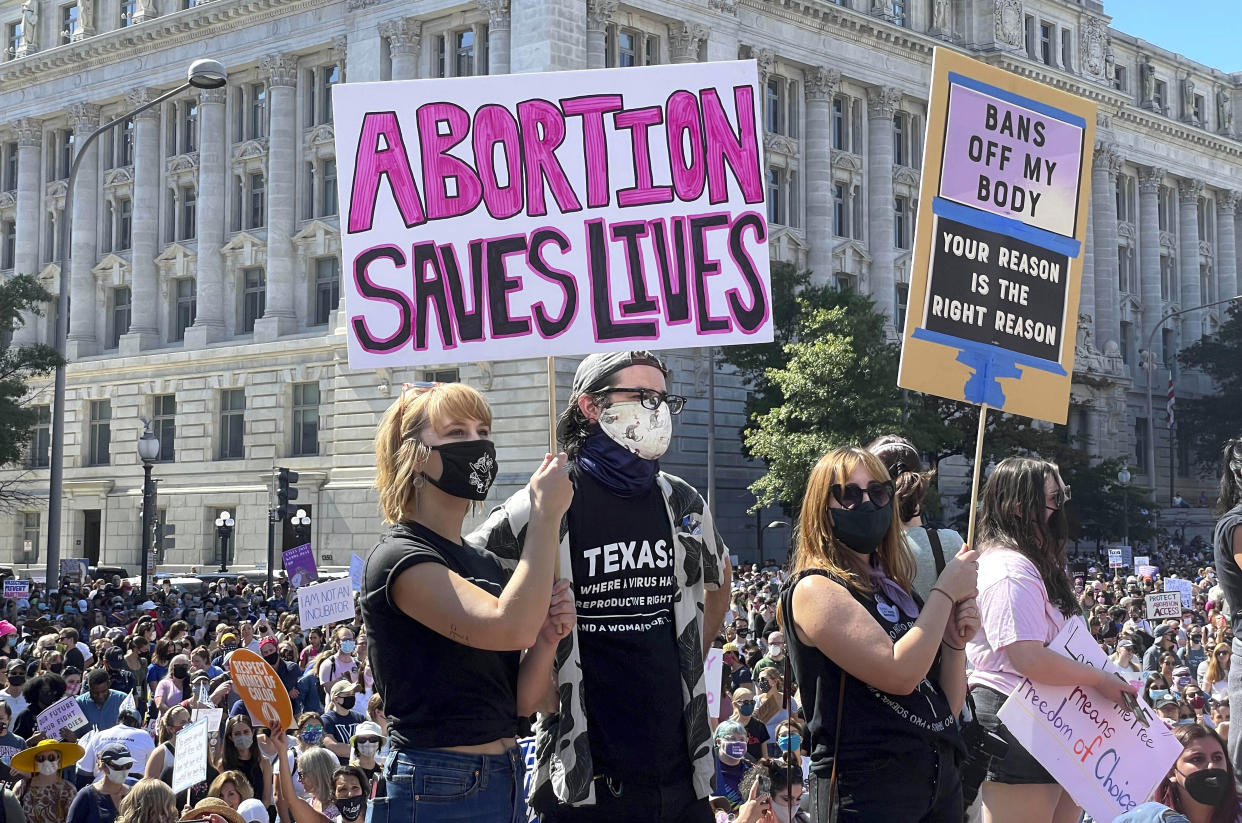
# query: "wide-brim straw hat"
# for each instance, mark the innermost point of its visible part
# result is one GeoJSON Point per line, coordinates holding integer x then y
{"type": "Point", "coordinates": [212, 805]}
{"type": "Point", "coordinates": [24, 761]}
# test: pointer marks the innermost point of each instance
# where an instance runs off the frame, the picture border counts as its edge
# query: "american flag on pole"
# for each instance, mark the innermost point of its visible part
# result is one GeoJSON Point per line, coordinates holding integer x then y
{"type": "Point", "coordinates": [1171, 403]}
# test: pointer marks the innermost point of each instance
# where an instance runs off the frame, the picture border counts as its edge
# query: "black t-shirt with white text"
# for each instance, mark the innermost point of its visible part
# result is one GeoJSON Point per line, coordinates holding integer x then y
{"type": "Point", "coordinates": [625, 582]}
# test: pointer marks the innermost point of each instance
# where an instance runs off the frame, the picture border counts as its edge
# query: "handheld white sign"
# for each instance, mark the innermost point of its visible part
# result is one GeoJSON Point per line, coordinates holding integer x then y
{"type": "Point", "coordinates": [1164, 604]}
{"type": "Point", "coordinates": [1106, 757]}
{"type": "Point", "coordinates": [63, 714]}
{"type": "Point", "coordinates": [190, 767]}
{"type": "Point", "coordinates": [322, 604]}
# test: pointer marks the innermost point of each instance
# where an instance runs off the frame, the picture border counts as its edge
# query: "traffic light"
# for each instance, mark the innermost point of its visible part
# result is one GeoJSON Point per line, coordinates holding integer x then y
{"type": "Point", "coordinates": [285, 491]}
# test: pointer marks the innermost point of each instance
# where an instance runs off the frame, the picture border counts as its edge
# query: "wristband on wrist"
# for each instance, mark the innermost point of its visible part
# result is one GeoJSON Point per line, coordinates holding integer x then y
{"type": "Point", "coordinates": [945, 593]}
{"type": "Point", "coordinates": [951, 646]}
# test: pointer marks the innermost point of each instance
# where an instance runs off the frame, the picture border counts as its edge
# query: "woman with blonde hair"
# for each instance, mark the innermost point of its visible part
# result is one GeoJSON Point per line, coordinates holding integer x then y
{"type": "Point", "coordinates": [882, 673]}
{"type": "Point", "coordinates": [149, 801]}
{"type": "Point", "coordinates": [1216, 677]}
{"type": "Point", "coordinates": [430, 603]}
{"type": "Point", "coordinates": [743, 700]}
{"type": "Point", "coordinates": [771, 710]}
{"type": "Point", "coordinates": [232, 787]}
{"type": "Point", "coordinates": [163, 755]}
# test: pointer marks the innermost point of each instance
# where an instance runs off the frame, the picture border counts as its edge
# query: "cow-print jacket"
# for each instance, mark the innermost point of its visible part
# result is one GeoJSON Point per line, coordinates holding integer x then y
{"type": "Point", "coordinates": [562, 750]}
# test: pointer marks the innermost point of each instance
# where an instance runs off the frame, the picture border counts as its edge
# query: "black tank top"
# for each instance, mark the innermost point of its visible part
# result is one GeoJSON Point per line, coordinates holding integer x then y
{"type": "Point", "coordinates": [437, 692]}
{"type": "Point", "coordinates": [1227, 570]}
{"type": "Point", "coordinates": [875, 726]}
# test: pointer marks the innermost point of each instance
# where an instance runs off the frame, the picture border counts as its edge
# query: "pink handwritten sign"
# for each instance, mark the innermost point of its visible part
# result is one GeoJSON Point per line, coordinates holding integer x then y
{"type": "Point", "coordinates": [563, 213]}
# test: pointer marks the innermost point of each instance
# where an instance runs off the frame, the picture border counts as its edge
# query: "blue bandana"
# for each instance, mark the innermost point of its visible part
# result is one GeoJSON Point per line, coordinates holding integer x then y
{"type": "Point", "coordinates": [615, 467]}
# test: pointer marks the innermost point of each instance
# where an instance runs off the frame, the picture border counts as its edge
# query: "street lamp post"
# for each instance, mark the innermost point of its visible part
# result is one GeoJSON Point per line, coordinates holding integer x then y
{"type": "Point", "coordinates": [149, 451]}
{"type": "Point", "coordinates": [301, 526]}
{"type": "Point", "coordinates": [202, 74]}
{"type": "Point", "coordinates": [775, 524]}
{"type": "Point", "coordinates": [224, 530]}
{"type": "Point", "coordinates": [1123, 477]}
{"type": "Point", "coordinates": [1148, 363]}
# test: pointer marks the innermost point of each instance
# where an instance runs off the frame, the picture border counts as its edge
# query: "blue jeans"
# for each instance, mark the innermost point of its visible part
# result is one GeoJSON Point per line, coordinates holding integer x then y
{"type": "Point", "coordinates": [433, 786]}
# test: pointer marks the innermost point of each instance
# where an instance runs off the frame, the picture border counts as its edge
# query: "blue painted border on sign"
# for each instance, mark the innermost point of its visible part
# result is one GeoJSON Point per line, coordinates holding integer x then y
{"type": "Point", "coordinates": [1017, 99]}
{"type": "Point", "coordinates": [1000, 224]}
{"type": "Point", "coordinates": [987, 348]}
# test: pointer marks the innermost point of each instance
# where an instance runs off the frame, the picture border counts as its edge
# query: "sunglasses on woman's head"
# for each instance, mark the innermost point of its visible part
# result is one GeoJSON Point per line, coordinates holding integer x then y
{"type": "Point", "coordinates": [851, 494]}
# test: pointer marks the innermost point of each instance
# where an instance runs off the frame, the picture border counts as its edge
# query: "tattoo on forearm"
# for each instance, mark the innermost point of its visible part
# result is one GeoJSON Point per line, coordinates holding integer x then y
{"type": "Point", "coordinates": [458, 636]}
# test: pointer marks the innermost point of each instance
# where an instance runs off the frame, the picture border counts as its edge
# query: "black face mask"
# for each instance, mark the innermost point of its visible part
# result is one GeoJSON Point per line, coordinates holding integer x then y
{"type": "Point", "coordinates": [863, 527]}
{"type": "Point", "coordinates": [17, 679]}
{"type": "Point", "coordinates": [1207, 786]}
{"type": "Point", "coordinates": [349, 807]}
{"type": "Point", "coordinates": [1058, 526]}
{"type": "Point", "coordinates": [469, 468]}
{"type": "Point", "coordinates": [56, 668]}
{"type": "Point", "coordinates": [181, 672]}
{"type": "Point", "coordinates": [347, 702]}
{"type": "Point", "coordinates": [272, 659]}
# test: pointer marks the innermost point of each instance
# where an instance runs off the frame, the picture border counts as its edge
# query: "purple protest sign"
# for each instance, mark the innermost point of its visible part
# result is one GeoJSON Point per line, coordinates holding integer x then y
{"type": "Point", "coordinates": [300, 565]}
{"type": "Point", "coordinates": [1012, 160]}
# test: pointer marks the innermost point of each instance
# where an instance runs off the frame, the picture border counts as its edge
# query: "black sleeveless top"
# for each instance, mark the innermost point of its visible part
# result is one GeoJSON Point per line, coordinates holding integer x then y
{"type": "Point", "coordinates": [1227, 570]}
{"type": "Point", "coordinates": [437, 692]}
{"type": "Point", "coordinates": [875, 726]}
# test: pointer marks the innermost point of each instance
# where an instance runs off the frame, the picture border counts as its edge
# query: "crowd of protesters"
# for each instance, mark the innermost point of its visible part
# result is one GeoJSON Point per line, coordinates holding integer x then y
{"type": "Point", "coordinates": [860, 681]}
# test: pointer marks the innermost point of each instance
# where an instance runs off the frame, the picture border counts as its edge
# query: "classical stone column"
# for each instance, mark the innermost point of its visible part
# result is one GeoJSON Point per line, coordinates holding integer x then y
{"type": "Point", "coordinates": [1104, 220]}
{"type": "Point", "coordinates": [1086, 295]}
{"type": "Point", "coordinates": [210, 218]}
{"type": "Point", "coordinates": [82, 340]}
{"type": "Point", "coordinates": [405, 44]}
{"type": "Point", "coordinates": [144, 280]}
{"type": "Point", "coordinates": [1150, 178]}
{"type": "Point", "coordinates": [26, 251]}
{"type": "Point", "coordinates": [821, 85]}
{"type": "Point", "coordinates": [684, 40]}
{"type": "Point", "coordinates": [552, 36]}
{"type": "Point", "coordinates": [279, 315]}
{"type": "Point", "coordinates": [599, 12]}
{"type": "Point", "coordinates": [1226, 241]}
{"type": "Point", "coordinates": [881, 105]}
{"type": "Point", "coordinates": [499, 32]}
{"type": "Point", "coordinates": [1188, 192]}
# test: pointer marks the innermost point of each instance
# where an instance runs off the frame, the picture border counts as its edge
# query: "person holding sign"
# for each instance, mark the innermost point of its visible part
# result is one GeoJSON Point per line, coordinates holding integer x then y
{"type": "Point", "coordinates": [1025, 597]}
{"type": "Point", "coordinates": [432, 605]}
{"type": "Point", "coordinates": [1227, 548]}
{"type": "Point", "coordinates": [882, 672]}
{"type": "Point", "coordinates": [45, 795]}
{"type": "Point", "coordinates": [651, 581]}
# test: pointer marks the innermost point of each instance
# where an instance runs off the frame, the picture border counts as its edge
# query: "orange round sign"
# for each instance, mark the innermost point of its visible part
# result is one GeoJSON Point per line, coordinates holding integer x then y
{"type": "Point", "coordinates": [261, 690]}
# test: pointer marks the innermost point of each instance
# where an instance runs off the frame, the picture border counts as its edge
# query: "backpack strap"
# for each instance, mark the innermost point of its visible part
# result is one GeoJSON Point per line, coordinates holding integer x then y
{"type": "Point", "coordinates": [933, 537]}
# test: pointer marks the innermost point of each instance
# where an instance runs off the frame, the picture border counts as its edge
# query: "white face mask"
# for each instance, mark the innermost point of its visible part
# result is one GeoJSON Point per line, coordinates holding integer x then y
{"type": "Point", "coordinates": [781, 812]}
{"type": "Point", "coordinates": [368, 749]}
{"type": "Point", "coordinates": [645, 432]}
{"type": "Point", "coordinates": [117, 775]}
{"type": "Point", "coordinates": [49, 767]}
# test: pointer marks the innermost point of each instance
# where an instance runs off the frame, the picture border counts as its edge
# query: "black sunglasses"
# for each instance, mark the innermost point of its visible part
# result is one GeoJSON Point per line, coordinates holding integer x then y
{"type": "Point", "coordinates": [851, 494]}
{"type": "Point", "coordinates": [651, 399]}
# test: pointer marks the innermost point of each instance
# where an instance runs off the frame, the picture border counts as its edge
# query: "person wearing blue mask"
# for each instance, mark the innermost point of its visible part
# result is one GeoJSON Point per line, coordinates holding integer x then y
{"type": "Point", "coordinates": [651, 581]}
{"type": "Point", "coordinates": [757, 736]}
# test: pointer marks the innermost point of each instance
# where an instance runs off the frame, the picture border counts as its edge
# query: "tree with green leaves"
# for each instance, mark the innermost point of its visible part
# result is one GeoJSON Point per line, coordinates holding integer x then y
{"type": "Point", "coordinates": [18, 366]}
{"type": "Point", "coordinates": [1208, 421]}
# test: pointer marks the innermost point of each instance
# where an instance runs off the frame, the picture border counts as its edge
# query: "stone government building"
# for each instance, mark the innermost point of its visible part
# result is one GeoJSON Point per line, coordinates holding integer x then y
{"type": "Point", "coordinates": [205, 247]}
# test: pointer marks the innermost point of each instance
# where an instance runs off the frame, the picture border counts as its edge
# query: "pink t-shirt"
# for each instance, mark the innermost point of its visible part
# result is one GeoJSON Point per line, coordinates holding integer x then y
{"type": "Point", "coordinates": [1013, 606]}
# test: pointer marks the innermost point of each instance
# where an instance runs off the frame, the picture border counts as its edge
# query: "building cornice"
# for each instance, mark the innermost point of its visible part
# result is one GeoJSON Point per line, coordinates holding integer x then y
{"type": "Point", "coordinates": [185, 27]}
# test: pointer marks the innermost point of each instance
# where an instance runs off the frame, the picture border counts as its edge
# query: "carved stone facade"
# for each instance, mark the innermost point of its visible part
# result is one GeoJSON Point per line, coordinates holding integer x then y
{"type": "Point", "coordinates": [250, 196]}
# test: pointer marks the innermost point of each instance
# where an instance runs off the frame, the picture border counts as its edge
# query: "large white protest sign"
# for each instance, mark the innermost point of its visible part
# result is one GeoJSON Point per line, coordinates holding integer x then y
{"type": "Point", "coordinates": [1164, 604]}
{"type": "Point", "coordinates": [325, 603]}
{"type": "Point", "coordinates": [1146, 571]}
{"type": "Point", "coordinates": [1141, 560]}
{"type": "Point", "coordinates": [527, 215]}
{"type": "Point", "coordinates": [190, 767]}
{"type": "Point", "coordinates": [1105, 756]}
{"type": "Point", "coordinates": [1115, 559]}
{"type": "Point", "coordinates": [1182, 587]}
{"type": "Point", "coordinates": [63, 714]}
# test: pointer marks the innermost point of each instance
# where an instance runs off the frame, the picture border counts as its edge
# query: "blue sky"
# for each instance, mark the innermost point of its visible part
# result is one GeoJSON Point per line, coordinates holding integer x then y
{"type": "Point", "coordinates": [1203, 30]}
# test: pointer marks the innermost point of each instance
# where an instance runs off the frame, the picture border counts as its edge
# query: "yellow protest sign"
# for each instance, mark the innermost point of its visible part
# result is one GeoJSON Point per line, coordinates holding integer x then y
{"type": "Point", "coordinates": [997, 266]}
{"type": "Point", "coordinates": [261, 690]}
